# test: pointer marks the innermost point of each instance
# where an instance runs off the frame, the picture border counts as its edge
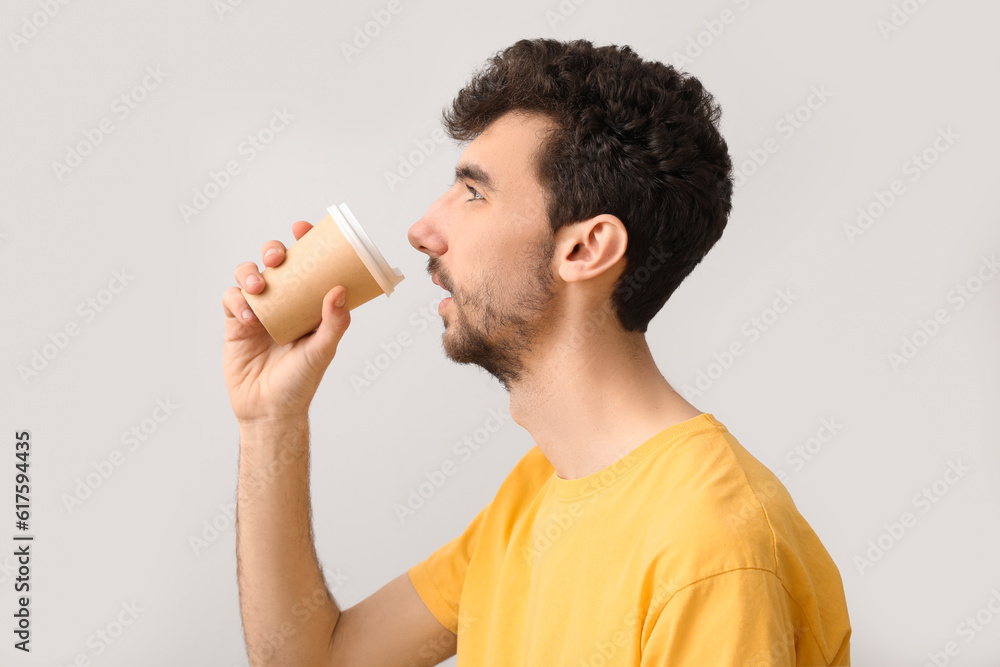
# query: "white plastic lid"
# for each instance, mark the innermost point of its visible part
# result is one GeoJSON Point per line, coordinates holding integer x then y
{"type": "Point", "coordinates": [386, 276]}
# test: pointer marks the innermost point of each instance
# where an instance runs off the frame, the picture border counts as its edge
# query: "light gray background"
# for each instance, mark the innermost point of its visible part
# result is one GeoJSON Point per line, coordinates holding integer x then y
{"type": "Point", "coordinates": [355, 120]}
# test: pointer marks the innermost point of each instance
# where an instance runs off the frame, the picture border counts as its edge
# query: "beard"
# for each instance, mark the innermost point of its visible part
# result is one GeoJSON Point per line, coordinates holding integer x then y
{"type": "Point", "coordinates": [494, 325]}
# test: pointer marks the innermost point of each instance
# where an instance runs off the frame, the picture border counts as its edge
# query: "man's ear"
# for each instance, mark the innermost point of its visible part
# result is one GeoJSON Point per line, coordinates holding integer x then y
{"type": "Point", "coordinates": [589, 248]}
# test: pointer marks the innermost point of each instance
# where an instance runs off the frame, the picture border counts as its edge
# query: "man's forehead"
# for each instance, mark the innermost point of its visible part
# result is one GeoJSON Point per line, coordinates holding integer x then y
{"type": "Point", "coordinates": [503, 156]}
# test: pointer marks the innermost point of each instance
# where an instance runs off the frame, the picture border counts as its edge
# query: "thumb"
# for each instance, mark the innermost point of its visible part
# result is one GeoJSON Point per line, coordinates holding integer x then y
{"type": "Point", "coordinates": [321, 345]}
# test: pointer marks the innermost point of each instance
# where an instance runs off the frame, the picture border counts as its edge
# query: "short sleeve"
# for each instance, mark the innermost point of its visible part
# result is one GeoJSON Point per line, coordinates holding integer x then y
{"type": "Point", "coordinates": [440, 578]}
{"type": "Point", "coordinates": [741, 617]}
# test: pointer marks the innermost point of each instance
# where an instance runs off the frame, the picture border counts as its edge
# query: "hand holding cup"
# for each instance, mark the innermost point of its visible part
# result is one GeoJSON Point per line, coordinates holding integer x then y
{"type": "Point", "coordinates": [267, 381]}
{"type": "Point", "coordinates": [283, 325]}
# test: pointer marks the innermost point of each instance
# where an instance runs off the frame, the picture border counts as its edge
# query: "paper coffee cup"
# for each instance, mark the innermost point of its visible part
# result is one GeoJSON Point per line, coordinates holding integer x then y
{"type": "Point", "coordinates": [336, 251]}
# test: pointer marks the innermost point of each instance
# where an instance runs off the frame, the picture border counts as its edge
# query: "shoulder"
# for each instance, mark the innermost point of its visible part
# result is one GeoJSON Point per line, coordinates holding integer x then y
{"type": "Point", "coordinates": [724, 518]}
{"type": "Point", "coordinates": [717, 507]}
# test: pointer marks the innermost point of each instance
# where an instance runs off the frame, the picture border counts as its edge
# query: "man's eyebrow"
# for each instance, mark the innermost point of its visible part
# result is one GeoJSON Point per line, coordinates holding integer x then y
{"type": "Point", "coordinates": [474, 172]}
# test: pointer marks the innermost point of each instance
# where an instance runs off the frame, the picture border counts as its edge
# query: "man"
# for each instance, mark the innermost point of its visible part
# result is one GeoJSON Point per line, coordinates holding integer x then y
{"type": "Point", "coordinates": [638, 531]}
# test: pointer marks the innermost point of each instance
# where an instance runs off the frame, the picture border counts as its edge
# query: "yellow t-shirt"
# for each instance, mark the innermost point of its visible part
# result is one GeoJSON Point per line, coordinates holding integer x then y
{"type": "Point", "coordinates": [687, 552]}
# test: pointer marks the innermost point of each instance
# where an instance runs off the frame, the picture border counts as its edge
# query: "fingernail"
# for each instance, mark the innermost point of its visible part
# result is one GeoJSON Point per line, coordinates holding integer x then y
{"type": "Point", "coordinates": [341, 300]}
{"type": "Point", "coordinates": [272, 251]}
{"type": "Point", "coordinates": [252, 280]}
{"type": "Point", "coordinates": [248, 315]}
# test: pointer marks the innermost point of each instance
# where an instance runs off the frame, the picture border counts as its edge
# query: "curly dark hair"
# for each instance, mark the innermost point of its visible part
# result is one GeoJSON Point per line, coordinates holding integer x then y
{"type": "Point", "coordinates": [636, 139]}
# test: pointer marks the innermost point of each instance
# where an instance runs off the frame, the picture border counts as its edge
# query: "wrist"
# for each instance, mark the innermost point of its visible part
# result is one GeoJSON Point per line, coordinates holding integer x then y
{"type": "Point", "coordinates": [274, 430]}
{"type": "Point", "coordinates": [272, 422]}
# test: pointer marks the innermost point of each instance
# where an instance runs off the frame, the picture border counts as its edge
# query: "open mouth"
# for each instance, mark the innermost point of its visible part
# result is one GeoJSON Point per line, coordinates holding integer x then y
{"type": "Point", "coordinates": [446, 297]}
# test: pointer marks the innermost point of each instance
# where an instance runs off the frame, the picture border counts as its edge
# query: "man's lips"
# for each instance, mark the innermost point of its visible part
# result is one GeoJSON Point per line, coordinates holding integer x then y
{"type": "Point", "coordinates": [447, 299]}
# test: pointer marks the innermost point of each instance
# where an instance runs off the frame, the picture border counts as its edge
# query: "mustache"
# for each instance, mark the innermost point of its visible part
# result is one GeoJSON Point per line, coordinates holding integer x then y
{"type": "Point", "coordinates": [433, 267]}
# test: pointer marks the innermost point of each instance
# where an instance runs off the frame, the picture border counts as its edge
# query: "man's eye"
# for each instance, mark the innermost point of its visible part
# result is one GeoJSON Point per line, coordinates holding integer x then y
{"type": "Point", "coordinates": [475, 194]}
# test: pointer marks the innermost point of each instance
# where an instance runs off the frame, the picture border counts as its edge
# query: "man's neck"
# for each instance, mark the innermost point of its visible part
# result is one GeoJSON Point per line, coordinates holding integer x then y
{"type": "Point", "coordinates": [588, 406]}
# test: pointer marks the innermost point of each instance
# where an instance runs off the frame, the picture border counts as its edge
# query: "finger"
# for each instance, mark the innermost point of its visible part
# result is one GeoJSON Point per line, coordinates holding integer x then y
{"type": "Point", "coordinates": [321, 345]}
{"type": "Point", "coordinates": [300, 228]}
{"type": "Point", "coordinates": [273, 253]}
{"type": "Point", "coordinates": [249, 277]}
{"type": "Point", "coordinates": [236, 307]}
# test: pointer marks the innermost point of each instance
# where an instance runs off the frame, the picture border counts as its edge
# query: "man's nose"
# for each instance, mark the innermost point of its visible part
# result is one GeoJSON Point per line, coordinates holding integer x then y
{"type": "Point", "coordinates": [416, 233]}
{"type": "Point", "coordinates": [425, 233]}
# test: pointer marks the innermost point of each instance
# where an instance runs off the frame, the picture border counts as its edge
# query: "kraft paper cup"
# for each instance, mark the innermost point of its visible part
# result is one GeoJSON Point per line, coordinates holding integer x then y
{"type": "Point", "coordinates": [336, 251]}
